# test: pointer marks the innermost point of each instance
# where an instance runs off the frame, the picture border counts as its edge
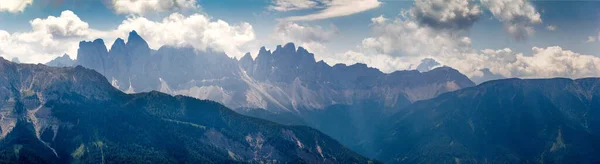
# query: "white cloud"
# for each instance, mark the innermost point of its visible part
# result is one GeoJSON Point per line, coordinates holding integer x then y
{"type": "Point", "coordinates": [444, 14]}
{"type": "Point", "coordinates": [518, 16]}
{"type": "Point", "coordinates": [312, 38]}
{"type": "Point", "coordinates": [379, 20]}
{"type": "Point", "coordinates": [66, 25]}
{"type": "Point", "coordinates": [546, 62]}
{"type": "Point", "coordinates": [289, 5]}
{"type": "Point", "coordinates": [333, 8]}
{"type": "Point", "coordinates": [302, 33]}
{"type": "Point", "coordinates": [401, 43]}
{"type": "Point", "coordinates": [53, 36]}
{"type": "Point", "coordinates": [49, 38]}
{"type": "Point", "coordinates": [14, 6]}
{"type": "Point", "coordinates": [196, 30]}
{"type": "Point", "coordinates": [551, 28]}
{"type": "Point", "coordinates": [409, 38]}
{"type": "Point", "coordinates": [148, 6]}
{"type": "Point", "coordinates": [591, 39]}
{"type": "Point", "coordinates": [383, 62]}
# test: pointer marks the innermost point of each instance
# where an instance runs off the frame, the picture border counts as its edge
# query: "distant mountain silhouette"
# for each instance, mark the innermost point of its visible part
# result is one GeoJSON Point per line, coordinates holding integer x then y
{"type": "Point", "coordinates": [62, 61]}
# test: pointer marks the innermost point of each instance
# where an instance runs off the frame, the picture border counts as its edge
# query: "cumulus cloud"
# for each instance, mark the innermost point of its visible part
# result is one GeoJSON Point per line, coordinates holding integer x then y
{"type": "Point", "coordinates": [422, 32]}
{"type": "Point", "coordinates": [518, 16]}
{"type": "Point", "coordinates": [379, 20]}
{"type": "Point", "coordinates": [541, 63]}
{"type": "Point", "coordinates": [446, 14]}
{"type": "Point", "coordinates": [49, 37]}
{"type": "Point", "coordinates": [54, 36]}
{"type": "Point", "coordinates": [406, 37]}
{"type": "Point", "coordinates": [197, 30]}
{"type": "Point", "coordinates": [548, 62]}
{"type": "Point", "coordinates": [313, 38]}
{"type": "Point", "coordinates": [148, 6]}
{"type": "Point", "coordinates": [303, 33]}
{"type": "Point", "coordinates": [331, 8]}
{"type": "Point", "coordinates": [14, 6]}
{"type": "Point", "coordinates": [66, 25]}
{"type": "Point", "coordinates": [400, 43]}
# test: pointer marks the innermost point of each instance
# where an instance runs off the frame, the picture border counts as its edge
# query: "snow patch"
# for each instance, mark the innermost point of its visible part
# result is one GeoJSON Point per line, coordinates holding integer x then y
{"type": "Point", "coordinates": [319, 149]}
{"type": "Point", "coordinates": [130, 89]}
{"type": "Point", "coordinates": [115, 83]}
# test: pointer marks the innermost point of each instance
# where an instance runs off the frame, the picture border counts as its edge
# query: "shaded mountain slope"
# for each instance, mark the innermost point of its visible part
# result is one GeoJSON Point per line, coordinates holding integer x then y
{"type": "Point", "coordinates": [503, 121]}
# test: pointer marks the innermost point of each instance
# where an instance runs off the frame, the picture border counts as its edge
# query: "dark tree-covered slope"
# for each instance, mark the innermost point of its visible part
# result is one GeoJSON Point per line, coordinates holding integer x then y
{"type": "Point", "coordinates": [503, 121]}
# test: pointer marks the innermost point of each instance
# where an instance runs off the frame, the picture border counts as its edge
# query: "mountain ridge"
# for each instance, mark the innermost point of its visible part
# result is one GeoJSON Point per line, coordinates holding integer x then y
{"type": "Point", "coordinates": [287, 82]}
{"type": "Point", "coordinates": [509, 120]}
{"type": "Point", "coordinates": [135, 67]}
{"type": "Point", "coordinates": [74, 115]}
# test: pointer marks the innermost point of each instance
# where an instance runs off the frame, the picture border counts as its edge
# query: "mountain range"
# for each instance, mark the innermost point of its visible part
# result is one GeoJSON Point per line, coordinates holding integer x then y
{"type": "Point", "coordinates": [286, 85]}
{"type": "Point", "coordinates": [503, 121]}
{"type": "Point", "coordinates": [74, 115]}
{"type": "Point", "coordinates": [431, 115]}
{"type": "Point", "coordinates": [287, 79]}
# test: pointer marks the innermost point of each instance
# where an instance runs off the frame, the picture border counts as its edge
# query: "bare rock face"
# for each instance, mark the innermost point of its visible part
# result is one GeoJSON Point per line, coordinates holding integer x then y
{"type": "Point", "coordinates": [286, 82]}
{"type": "Point", "coordinates": [287, 79]}
{"type": "Point", "coordinates": [74, 115]}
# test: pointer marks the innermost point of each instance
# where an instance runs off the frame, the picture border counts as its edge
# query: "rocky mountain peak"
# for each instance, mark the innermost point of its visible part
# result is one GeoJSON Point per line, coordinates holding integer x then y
{"type": "Point", "coordinates": [289, 47]}
{"type": "Point", "coordinates": [135, 40]}
{"type": "Point", "coordinates": [97, 44]}
{"type": "Point", "coordinates": [61, 61]}
{"type": "Point", "coordinates": [449, 73]}
{"type": "Point", "coordinates": [3, 61]}
{"type": "Point", "coordinates": [92, 54]}
{"type": "Point", "coordinates": [247, 58]}
{"type": "Point", "coordinates": [118, 44]}
{"type": "Point", "coordinates": [264, 51]}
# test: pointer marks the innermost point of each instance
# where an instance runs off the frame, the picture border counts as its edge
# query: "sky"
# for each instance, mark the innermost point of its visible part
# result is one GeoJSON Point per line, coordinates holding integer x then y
{"type": "Point", "coordinates": [507, 38]}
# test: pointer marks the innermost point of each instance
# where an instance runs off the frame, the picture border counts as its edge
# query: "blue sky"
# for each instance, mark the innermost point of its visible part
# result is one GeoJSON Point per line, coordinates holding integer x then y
{"type": "Point", "coordinates": [512, 38]}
